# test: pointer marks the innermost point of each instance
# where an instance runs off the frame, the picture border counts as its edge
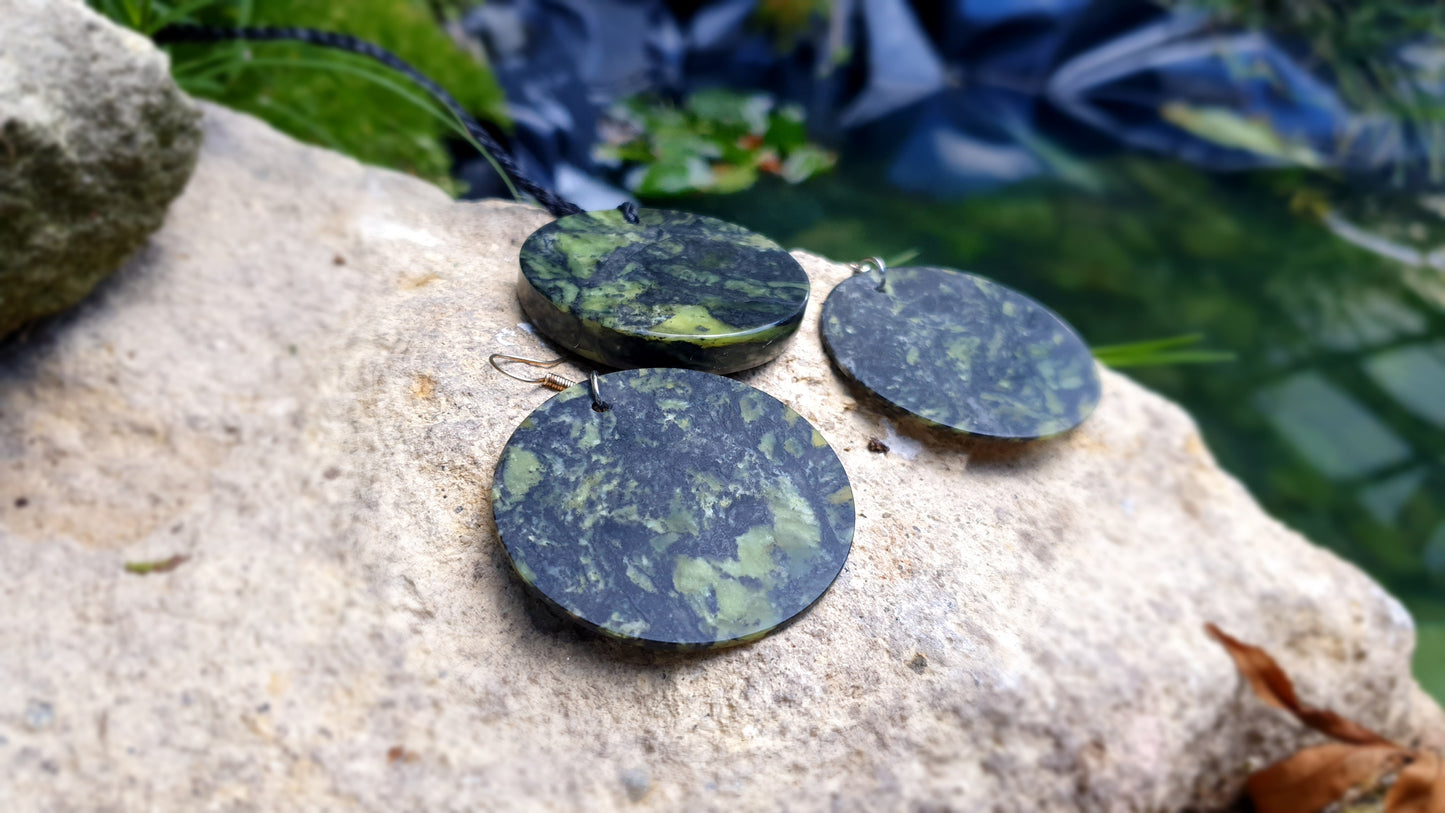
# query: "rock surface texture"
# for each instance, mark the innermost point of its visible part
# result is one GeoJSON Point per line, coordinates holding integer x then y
{"type": "Point", "coordinates": [95, 142]}
{"type": "Point", "coordinates": [290, 387]}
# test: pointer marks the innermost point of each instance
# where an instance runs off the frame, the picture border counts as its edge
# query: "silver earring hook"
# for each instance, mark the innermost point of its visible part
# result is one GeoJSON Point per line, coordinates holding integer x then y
{"type": "Point", "coordinates": [870, 265]}
{"type": "Point", "coordinates": [594, 382]}
{"type": "Point", "coordinates": [551, 381]}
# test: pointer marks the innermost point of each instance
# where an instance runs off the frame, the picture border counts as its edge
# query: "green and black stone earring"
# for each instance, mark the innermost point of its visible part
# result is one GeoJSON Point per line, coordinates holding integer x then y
{"type": "Point", "coordinates": [628, 288]}
{"type": "Point", "coordinates": [955, 350]}
{"type": "Point", "coordinates": [684, 511]}
{"type": "Point", "coordinates": [636, 287]}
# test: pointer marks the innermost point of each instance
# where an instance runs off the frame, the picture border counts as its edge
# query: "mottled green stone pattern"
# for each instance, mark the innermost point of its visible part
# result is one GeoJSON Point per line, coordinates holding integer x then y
{"type": "Point", "coordinates": [673, 290]}
{"type": "Point", "coordinates": [695, 512]}
{"type": "Point", "coordinates": [960, 351]}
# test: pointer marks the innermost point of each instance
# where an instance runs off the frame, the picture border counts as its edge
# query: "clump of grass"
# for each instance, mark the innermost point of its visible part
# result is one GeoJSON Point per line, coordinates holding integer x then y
{"type": "Point", "coordinates": [326, 97]}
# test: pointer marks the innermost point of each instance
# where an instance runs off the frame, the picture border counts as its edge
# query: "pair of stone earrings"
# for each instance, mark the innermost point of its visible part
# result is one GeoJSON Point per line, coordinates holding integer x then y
{"type": "Point", "coordinates": [689, 510]}
{"type": "Point", "coordinates": [634, 288]}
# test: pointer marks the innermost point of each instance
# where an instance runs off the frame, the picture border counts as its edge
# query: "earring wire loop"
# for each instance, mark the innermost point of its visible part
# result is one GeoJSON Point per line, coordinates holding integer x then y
{"type": "Point", "coordinates": [594, 383]}
{"type": "Point", "coordinates": [870, 265]}
{"type": "Point", "coordinates": [551, 381]}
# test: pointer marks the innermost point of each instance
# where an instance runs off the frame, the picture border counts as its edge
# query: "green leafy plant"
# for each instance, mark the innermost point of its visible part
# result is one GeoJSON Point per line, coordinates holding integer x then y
{"type": "Point", "coordinates": [718, 141]}
{"type": "Point", "coordinates": [326, 97]}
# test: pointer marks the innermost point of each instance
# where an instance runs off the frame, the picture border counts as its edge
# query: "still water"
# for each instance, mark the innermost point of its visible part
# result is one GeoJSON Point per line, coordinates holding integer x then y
{"type": "Point", "coordinates": [1332, 413]}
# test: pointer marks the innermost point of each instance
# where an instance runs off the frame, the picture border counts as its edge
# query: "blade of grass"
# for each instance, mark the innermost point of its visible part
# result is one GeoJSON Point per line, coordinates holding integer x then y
{"type": "Point", "coordinates": [202, 87]}
{"type": "Point", "coordinates": [201, 67]}
{"type": "Point", "coordinates": [1155, 352]}
{"type": "Point", "coordinates": [181, 13]}
{"type": "Point", "coordinates": [1160, 359]}
{"type": "Point", "coordinates": [303, 122]}
{"type": "Point", "coordinates": [902, 257]}
{"type": "Point", "coordinates": [113, 9]}
{"type": "Point", "coordinates": [132, 14]}
{"type": "Point", "coordinates": [1151, 345]}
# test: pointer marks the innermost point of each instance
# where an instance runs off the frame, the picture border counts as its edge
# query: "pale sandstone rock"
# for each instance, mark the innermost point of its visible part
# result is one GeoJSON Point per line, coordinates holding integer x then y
{"type": "Point", "coordinates": [95, 142]}
{"type": "Point", "coordinates": [290, 386]}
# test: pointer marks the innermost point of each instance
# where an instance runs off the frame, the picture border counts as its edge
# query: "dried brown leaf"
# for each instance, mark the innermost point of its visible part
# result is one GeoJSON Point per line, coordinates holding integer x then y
{"type": "Point", "coordinates": [1420, 787]}
{"type": "Point", "coordinates": [1274, 687]}
{"type": "Point", "coordinates": [1317, 777]}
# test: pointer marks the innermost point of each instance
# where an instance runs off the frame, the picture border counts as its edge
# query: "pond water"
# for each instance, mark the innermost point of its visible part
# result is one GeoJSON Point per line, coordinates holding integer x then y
{"type": "Point", "coordinates": [1332, 413]}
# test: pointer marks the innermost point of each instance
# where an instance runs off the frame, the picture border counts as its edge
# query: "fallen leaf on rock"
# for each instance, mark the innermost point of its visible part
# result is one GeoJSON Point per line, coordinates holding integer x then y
{"type": "Point", "coordinates": [1274, 687]}
{"type": "Point", "coordinates": [1420, 787]}
{"type": "Point", "coordinates": [1319, 776]}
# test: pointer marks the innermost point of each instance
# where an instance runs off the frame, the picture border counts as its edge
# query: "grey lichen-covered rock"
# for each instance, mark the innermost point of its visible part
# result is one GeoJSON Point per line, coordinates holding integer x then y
{"type": "Point", "coordinates": [291, 388]}
{"type": "Point", "coordinates": [95, 142]}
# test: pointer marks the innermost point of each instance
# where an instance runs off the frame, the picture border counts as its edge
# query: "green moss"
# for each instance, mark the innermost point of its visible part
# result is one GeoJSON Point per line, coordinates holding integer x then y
{"type": "Point", "coordinates": [326, 97]}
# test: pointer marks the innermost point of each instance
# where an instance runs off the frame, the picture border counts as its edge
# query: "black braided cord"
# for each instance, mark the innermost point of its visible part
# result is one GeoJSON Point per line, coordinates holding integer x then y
{"type": "Point", "coordinates": [552, 202]}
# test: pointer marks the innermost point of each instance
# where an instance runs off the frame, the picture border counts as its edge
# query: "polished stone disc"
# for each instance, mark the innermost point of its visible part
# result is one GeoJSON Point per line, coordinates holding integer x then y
{"type": "Point", "coordinates": [673, 290]}
{"type": "Point", "coordinates": [960, 351]}
{"type": "Point", "coordinates": [695, 512]}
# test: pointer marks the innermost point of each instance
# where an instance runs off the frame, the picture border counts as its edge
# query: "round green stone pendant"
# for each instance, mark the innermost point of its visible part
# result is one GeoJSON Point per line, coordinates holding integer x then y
{"type": "Point", "coordinates": [672, 290]}
{"type": "Point", "coordinates": [695, 511]}
{"type": "Point", "coordinates": [960, 351]}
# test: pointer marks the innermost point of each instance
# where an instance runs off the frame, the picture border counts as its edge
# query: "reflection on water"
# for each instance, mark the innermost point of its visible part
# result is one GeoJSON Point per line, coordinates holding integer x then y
{"type": "Point", "coordinates": [1333, 301]}
{"type": "Point", "coordinates": [1307, 411]}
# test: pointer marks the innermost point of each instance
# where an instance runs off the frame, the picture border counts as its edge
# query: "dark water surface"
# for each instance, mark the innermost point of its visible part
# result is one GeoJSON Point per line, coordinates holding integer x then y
{"type": "Point", "coordinates": [1333, 413]}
